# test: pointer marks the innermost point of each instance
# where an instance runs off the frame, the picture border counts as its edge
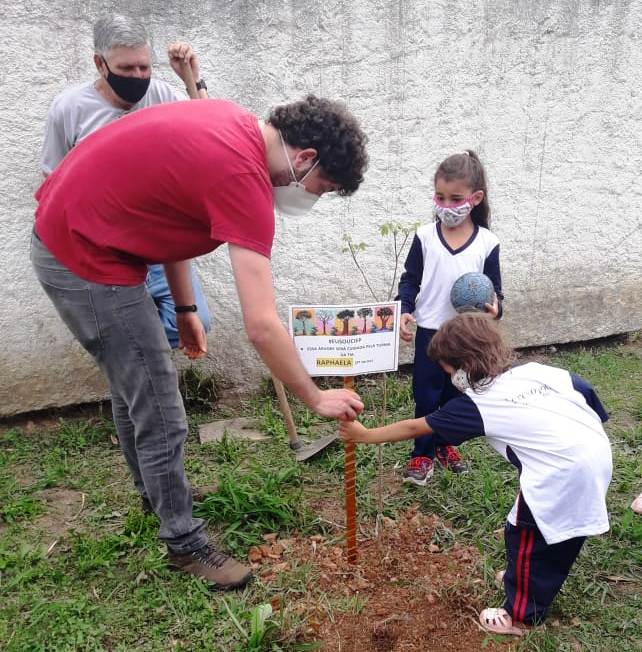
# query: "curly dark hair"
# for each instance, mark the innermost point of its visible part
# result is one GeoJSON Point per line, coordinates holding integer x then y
{"type": "Point", "coordinates": [472, 342]}
{"type": "Point", "coordinates": [328, 127]}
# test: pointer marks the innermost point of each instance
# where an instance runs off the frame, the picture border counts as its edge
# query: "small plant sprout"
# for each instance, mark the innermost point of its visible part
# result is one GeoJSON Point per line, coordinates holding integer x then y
{"type": "Point", "coordinates": [396, 235]}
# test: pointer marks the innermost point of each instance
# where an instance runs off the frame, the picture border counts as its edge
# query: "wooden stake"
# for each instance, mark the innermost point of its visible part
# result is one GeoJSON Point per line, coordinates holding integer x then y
{"type": "Point", "coordinates": [350, 490]}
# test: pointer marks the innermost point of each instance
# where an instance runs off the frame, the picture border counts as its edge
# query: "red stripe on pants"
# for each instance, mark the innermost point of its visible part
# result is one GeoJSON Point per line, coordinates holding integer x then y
{"type": "Point", "coordinates": [527, 570]}
{"type": "Point", "coordinates": [520, 556]}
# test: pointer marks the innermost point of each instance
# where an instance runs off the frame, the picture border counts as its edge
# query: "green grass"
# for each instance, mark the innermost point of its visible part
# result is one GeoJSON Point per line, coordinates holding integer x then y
{"type": "Point", "coordinates": [256, 501]}
{"type": "Point", "coordinates": [104, 583]}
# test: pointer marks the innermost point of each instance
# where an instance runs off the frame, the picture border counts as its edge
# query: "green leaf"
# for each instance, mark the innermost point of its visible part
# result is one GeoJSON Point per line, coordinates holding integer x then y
{"type": "Point", "coordinates": [258, 618]}
{"type": "Point", "coordinates": [234, 619]}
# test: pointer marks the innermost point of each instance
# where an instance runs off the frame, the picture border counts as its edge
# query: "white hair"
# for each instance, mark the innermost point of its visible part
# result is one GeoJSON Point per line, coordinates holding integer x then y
{"type": "Point", "coordinates": [118, 31]}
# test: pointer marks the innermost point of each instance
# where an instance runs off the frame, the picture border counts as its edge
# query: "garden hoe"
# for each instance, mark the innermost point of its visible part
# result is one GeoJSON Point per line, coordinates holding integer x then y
{"type": "Point", "coordinates": [301, 452]}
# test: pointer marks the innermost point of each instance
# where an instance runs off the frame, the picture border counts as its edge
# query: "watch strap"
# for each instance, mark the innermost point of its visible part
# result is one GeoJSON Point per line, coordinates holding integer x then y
{"type": "Point", "coordinates": [180, 309]}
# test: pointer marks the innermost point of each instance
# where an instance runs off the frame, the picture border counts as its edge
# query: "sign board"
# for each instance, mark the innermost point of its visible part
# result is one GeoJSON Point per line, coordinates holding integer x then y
{"type": "Point", "coordinates": [346, 340]}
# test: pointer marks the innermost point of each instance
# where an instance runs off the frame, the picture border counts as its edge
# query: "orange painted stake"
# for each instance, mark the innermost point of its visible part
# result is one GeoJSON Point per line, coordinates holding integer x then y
{"type": "Point", "coordinates": [350, 491]}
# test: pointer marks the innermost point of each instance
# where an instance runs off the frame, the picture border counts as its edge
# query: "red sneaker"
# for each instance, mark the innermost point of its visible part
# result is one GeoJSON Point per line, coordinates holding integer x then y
{"type": "Point", "coordinates": [449, 458]}
{"type": "Point", "coordinates": [418, 471]}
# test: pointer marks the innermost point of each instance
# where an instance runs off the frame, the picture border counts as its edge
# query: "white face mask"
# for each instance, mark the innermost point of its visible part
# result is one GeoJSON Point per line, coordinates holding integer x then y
{"type": "Point", "coordinates": [460, 380]}
{"type": "Point", "coordinates": [294, 199]}
{"type": "Point", "coordinates": [451, 216]}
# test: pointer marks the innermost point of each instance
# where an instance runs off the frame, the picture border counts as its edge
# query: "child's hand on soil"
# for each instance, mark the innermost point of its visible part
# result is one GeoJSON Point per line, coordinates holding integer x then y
{"type": "Point", "coordinates": [404, 331]}
{"type": "Point", "coordinates": [353, 431]}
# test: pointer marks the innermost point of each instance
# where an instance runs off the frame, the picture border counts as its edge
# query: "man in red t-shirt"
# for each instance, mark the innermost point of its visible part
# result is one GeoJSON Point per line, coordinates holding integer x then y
{"type": "Point", "coordinates": [164, 185]}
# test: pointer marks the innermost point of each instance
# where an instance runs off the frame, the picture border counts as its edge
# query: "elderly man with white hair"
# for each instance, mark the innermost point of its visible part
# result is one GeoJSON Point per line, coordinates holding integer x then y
{"type": "Point", "coordinates": [123, 59]}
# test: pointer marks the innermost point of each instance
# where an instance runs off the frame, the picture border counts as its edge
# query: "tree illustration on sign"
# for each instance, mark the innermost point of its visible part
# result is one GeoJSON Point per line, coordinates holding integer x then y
{"type": "Point", "coordinates": [324, 317]}
{"type": "Point", "coordinates": [364, 313]}
{"type": "Point", "coordinates": [302, 316]}
{"type": "Point", "coordinates": [345, 316]}
{"type": "Point", "coordinates": [384, 314]}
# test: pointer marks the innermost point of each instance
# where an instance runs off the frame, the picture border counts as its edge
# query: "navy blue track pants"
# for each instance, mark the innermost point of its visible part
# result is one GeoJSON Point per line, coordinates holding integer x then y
{"type": "Point", "coordinates": [535, 571]}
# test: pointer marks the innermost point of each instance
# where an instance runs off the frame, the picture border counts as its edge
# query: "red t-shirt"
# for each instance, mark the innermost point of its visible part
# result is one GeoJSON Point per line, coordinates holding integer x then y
{"type": "Point", "coordinates": [163, 184]}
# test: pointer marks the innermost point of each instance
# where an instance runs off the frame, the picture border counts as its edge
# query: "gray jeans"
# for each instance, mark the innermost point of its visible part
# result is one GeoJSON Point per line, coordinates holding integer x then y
{"type": "Point", "coordinates": [119, 326]}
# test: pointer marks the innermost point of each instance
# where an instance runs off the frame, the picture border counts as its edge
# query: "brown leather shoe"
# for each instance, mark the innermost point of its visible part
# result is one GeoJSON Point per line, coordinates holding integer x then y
{"type": "Point", "coordinates": [215, 567]}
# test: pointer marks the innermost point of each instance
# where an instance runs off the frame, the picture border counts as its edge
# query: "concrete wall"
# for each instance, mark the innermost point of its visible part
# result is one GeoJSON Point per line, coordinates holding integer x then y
{"type": "Point", "coordinates": [548, 92]}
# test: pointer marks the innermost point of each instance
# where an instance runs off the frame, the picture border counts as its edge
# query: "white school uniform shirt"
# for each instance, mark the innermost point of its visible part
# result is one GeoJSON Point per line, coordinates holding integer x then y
{"type": "Point", "coordinates": [432, 267]}
{"type": "Point", "coordinates": [548, 423]}
{"type": "Point", "coordinates": [80, 110]}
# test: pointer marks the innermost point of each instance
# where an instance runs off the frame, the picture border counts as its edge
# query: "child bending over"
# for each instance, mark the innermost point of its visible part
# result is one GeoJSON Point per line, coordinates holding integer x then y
{"type": "Point", "coordinates": [545, 421]}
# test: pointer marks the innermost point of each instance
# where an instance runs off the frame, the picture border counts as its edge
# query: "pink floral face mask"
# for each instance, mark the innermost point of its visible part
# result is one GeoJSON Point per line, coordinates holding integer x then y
{"type": "Point", "coordinates": [451, 216]}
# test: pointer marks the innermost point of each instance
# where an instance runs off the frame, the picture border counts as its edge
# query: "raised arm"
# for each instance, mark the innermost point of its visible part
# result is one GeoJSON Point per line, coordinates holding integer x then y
{"type": "Point", "coordinates": [184, 62]}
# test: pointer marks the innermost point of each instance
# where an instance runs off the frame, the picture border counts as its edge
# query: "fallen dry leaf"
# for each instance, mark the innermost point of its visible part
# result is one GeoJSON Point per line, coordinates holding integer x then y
{"type": "Point", "coordinates": [254, 555]}
{"type": "Point", "coordinates": [276, 603]}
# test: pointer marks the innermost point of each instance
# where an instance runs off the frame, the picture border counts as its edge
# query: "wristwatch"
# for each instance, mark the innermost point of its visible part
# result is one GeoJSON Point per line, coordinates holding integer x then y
{"type": "Point", "coordinates": [191, 308]}
{"type": "Point", "coordinates": [201, 85]}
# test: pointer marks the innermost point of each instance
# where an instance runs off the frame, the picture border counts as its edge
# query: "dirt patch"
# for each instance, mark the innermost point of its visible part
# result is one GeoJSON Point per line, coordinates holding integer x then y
{"type": "Point", "coordinates": [23, 475]}
{"type": "Point", "coordinates": [405, 594]}
{"type": "Point", "coordinates": [64, 507]}
{"type": "Point", "coordinates": [332, 512]}
{"type": "Point", "coordinates": [633, 345]}
{"type": "Point", "coordinates": [49, 419]}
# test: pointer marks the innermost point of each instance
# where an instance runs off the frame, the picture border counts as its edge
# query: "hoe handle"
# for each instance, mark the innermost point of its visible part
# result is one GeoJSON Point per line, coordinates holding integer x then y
{"type": "Point", "coordinates": [295, 443]}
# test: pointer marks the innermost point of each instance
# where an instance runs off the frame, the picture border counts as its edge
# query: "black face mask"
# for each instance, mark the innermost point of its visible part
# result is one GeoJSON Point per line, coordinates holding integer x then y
{"type": "Point", "coordinates": [129, 89]}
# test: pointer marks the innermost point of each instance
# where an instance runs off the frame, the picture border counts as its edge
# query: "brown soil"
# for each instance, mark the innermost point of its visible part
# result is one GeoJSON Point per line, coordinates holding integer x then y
{"type": "Point", "coordinates": [405, 593]}
{"type": "Point", "coordinates": [49, 419]}
{"type": "Point", "coordinates": [64, 507]}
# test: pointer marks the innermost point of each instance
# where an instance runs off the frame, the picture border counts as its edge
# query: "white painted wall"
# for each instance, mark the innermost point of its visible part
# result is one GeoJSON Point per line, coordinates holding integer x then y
{"type": "Point", "coordinates": [548, 92]}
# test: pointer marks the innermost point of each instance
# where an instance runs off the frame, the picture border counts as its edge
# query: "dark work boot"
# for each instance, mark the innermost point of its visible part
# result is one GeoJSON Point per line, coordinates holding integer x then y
{"type": "Point", "coordinates": [216, 568]}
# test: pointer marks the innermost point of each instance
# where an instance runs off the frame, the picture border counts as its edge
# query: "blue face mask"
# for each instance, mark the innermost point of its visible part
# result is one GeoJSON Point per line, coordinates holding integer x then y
{"type": "Point", "coordinates": [129, 89]}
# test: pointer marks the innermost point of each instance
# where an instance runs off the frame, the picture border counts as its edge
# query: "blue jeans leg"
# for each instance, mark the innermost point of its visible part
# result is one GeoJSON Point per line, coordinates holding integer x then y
{"type": "Point", "coordinates": [158, 289]}
{"type": "Point", "coordinates": [119, 327]}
